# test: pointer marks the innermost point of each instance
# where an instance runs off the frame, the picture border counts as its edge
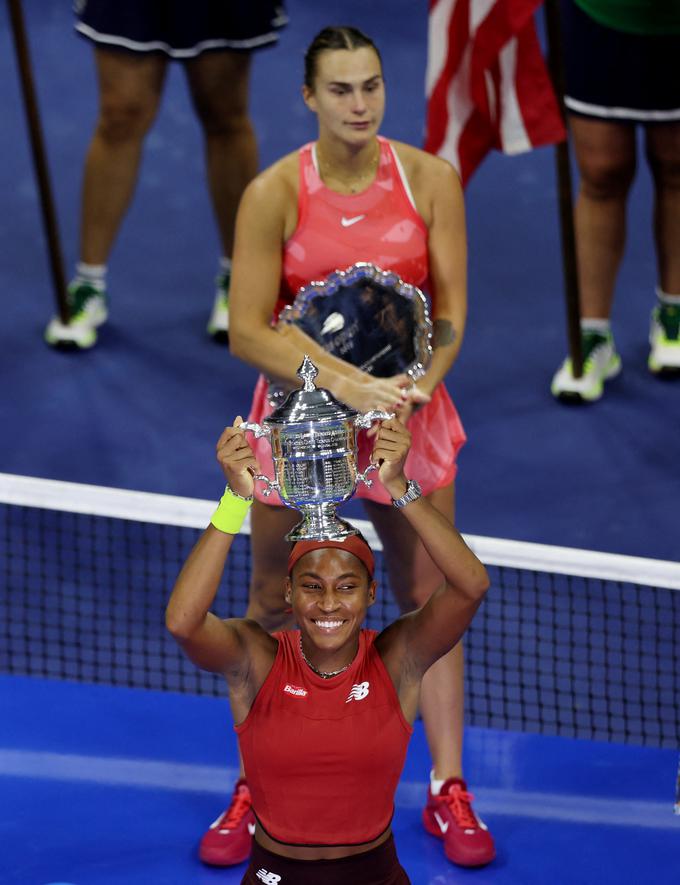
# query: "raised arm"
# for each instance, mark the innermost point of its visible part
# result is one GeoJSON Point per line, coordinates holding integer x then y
{"type": "Point", "coordinates": [418, 639]}
{"type": "Point", "coordinates": [266, 218]}
{"type": "Point", "coordinates": [236, 648]}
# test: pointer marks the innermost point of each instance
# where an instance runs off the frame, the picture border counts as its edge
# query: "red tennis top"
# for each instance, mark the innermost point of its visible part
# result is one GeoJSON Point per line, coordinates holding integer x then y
{"type": "Point", "coordinates": [323, 756]}
{"type": "Point", "coordinates": [380, 225]}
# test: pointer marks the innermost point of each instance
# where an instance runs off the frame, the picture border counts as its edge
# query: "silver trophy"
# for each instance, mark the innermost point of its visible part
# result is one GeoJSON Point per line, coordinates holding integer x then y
{"type": "Point", "coordinates": [313, 438]}
{"type": "Point", "coordinates": [367, 317]}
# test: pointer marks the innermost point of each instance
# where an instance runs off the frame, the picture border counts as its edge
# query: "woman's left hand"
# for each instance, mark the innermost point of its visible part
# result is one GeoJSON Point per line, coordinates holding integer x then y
{"type": "Point", "coordinates": [392, 444]}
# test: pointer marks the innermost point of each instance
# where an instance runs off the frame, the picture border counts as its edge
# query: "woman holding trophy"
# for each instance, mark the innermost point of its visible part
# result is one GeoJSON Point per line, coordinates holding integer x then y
{"type": "Point", "coordinates": [327, 709]}
{"type": "Point", "coordinates": [354, 196]}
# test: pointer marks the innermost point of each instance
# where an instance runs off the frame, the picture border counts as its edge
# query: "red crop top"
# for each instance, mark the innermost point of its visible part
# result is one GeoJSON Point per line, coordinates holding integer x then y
{"type": "Point", "coordinates": [323, 756]}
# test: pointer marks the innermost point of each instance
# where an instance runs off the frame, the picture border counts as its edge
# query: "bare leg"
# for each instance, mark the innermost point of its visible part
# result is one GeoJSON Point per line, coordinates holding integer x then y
{"type": "Point", "coordinates": [219, 88]}
{"type": "Point", "coordinates": [663, 155]}
{"type": "Point", "coordinates": [606, 158]}
{"type": "Point", "coordinates": [413, 578]}
{"type": "Point", "coordinates": [130, 88]}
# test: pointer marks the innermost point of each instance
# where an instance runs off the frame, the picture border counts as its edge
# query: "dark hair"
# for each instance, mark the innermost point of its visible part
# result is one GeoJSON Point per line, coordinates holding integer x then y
{"type": "Point", "coordinates": [334, 37]}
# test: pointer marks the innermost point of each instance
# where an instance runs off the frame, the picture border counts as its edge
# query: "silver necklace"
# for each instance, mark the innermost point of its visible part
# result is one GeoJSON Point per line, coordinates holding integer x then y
{"type": "Point", "coordinates": [320, 672]}
{"type": "Point", "coordinates": [357, 180]}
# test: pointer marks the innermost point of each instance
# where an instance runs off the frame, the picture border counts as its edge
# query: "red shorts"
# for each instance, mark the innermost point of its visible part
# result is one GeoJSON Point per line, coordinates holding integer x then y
{"type": "Point", "coordinates": [379, 866]}
{"type": "Point", "coordinates": [437, 436]}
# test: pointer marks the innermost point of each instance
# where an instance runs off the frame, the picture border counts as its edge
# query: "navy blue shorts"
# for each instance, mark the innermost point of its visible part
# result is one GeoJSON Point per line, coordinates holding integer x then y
{"type": "Point", "coordinates": [614, 75]}
{"type": "Point", "coordinates": [379, 866]}
{"type": "Point", "coordinates": [180, 28]}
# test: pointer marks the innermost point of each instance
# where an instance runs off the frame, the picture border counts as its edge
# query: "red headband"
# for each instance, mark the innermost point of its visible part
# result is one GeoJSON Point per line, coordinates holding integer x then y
{"type": "Point", "coordinates": [354, 544]}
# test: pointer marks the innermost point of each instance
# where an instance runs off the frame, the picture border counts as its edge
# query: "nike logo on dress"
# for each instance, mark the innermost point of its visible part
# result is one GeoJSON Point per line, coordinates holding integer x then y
{"type": "Point", "coordinates": [442, 826]}
{"type": "Point", "coordinates": [348, 222]}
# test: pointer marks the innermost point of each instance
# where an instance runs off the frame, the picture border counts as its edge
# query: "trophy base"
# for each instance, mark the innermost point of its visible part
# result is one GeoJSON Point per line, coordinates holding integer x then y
{"type": "Point", "coordinates": [320, 523]}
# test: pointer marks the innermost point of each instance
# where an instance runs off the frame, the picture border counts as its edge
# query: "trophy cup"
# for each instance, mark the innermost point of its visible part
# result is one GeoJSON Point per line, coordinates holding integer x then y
{"type": "Point", "coordinates": [313, 438]}
{"type": "Point", "coordinates": [367, 317]}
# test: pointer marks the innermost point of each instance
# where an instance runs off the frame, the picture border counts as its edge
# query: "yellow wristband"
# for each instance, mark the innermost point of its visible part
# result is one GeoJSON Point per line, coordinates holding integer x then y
{"type": "Point", "coordinates": [231, 512]}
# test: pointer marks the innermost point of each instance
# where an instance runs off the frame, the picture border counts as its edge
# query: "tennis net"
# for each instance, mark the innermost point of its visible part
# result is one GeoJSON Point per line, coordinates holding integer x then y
{"type": "Point", "coordinates": [567, 642]}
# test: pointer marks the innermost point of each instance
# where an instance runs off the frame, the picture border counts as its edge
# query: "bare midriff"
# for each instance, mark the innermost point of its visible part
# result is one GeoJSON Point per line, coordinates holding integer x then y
{"type": "Point", "coordinates": [316, 852]}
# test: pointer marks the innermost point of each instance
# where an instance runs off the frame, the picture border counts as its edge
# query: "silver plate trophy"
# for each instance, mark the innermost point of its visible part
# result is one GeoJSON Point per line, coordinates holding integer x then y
{"type": "Point", "coordinates": [314, 448]}
{"type": "Point", "coordinates": [367, 317]}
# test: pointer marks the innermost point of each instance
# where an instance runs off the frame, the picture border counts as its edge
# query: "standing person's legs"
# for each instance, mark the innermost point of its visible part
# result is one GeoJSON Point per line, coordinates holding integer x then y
{"type": "Point", "coordinates": [663, 156]}
{"type": "Point", "coordinates": [228, 841]}
{"type": "Point", "coordinates": [662, 141]}
{"type": "Point", "coordinates": [605, 153]}
{"type": "Point", "coordinates": [413, 578]}
{"type": "Point", "coordinates": [606, 158]}
{"type": "Point", "coordinates": [219, 84]}
{"type": "Point", "coordinates": [130, 87]}
{"type": "Point", "coordinates": [269, 563]}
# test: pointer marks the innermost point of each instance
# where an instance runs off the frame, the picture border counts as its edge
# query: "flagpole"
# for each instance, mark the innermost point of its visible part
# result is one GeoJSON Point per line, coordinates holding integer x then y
{"type": "Point", "coordinates": [39, 157]}
{"type": "Point", "coordinates": [564, 183]}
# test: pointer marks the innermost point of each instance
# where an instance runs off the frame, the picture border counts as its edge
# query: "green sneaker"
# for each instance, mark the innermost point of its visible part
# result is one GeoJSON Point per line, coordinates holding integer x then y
{"type": "Point", "coordinates": [218, 324]}
{"type": "Point", "coordinates": [664, 339]}
{"type": "Point", "coordinates": [88, 309]}
{"type": "Point", "coordinates": [600, 363]}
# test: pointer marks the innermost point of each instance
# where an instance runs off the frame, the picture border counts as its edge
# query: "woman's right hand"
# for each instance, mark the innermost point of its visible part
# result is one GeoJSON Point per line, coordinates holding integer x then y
{"type": "Point", "coordinates": [365, 392]}
{"type": "Point", "coordinates": [237, 459]}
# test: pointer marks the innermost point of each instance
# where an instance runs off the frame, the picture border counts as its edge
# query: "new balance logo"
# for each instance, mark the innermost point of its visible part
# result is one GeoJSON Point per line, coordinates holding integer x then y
{"type": "Point", "coordinates": [348, 222]}
{"type": "Point", "coordinates": [268, 878]}
{"type": "Point", "coordinates": [443, 826]}
{"type": "Point", "coordinates": [358, 692]}
{"type": "Point", "coordinates": [295, 690]}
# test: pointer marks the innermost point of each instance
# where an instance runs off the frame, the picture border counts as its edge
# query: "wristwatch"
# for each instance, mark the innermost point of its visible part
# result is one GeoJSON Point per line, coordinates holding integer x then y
{"type": "Point", "coordinates": [412, 493]}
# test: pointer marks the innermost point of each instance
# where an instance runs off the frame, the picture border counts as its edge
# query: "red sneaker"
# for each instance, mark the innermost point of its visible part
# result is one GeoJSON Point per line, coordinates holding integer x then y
{"type": "Point", "coordinates": [229, 839]}
{"type": "Point", "coordinates": [449, 816]}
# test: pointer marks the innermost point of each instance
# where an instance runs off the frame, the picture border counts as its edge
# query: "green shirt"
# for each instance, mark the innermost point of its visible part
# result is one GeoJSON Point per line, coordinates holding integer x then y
{"type": "Point", "coordinates": [651, 17]}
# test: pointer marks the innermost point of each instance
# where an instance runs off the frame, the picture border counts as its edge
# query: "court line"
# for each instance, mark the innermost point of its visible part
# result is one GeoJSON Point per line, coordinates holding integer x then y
{"type": "Point", "coordinates": [185, 777]}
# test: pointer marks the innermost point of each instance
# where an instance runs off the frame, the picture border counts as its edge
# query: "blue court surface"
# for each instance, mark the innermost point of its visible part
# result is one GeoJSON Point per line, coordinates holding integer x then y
{"type": "Point", "coordinates": [103, 785]}
{"type": "Point", "coordinates": [114, 786]}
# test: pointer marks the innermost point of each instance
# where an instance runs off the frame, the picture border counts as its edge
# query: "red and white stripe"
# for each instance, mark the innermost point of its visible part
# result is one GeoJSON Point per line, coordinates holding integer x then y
{"type": "Point", "coordinates": [487, 85]}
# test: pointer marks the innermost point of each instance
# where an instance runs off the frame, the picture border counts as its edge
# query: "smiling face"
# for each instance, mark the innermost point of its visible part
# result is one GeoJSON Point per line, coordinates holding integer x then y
{"type": "Point", "coordinates": [348, 94]}
{"type": "Point", "coordinates": [330, 590]}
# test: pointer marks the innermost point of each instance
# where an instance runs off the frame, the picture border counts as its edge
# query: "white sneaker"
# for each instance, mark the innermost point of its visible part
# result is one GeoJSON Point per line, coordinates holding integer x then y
{"type": "Point", "coordinates": [664, 339]}
{"type": "Point", "coordinates": [88, 311]}
{"type": "Point", "coordinates": [218, 324]}
{"type": "Point", "coordinates": [600, 363]}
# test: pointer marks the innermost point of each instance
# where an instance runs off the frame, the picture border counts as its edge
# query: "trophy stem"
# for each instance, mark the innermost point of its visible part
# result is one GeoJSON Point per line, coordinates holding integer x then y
{"type": "Point", "coordinates": [320, 522]}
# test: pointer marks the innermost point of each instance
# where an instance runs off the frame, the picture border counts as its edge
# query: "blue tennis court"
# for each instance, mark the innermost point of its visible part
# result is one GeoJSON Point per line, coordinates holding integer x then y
{"type": "Point", "coordinates": [102, 783]}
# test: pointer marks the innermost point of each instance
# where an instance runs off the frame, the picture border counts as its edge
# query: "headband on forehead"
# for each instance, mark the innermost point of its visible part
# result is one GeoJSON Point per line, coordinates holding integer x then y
{"type": "Point", "coordinates": [354, 544]}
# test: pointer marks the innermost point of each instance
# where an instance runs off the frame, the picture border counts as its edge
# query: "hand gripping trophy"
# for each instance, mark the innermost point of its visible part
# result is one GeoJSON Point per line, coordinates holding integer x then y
{"type": "Point", "coordinates": [313, 439]}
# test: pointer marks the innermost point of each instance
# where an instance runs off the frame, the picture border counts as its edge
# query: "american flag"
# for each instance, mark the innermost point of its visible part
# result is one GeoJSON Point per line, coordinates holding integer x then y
{"type": "Point", "coordinates": [487, 84]}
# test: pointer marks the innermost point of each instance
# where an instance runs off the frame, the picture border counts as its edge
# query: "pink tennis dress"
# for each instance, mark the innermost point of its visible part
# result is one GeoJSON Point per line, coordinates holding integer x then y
{"type": "Point", "coordinates": [380, 225]}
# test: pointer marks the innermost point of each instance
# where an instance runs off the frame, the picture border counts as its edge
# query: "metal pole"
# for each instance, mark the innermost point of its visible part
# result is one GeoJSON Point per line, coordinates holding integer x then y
{"type": "Point", "coordinates": [566, 207]}
{"type": "Point", "coordinates": [39, 157]}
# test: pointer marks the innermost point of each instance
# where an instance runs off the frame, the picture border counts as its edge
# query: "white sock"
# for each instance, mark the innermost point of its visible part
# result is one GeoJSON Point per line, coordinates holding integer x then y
{"type": "Point", "coordinates": [603, 326]}
{"type": "Point", "coordinates": [94, 274]}
{"type": "Point", "coordinates": [435, 785]}
{"type": "Point", "coordinates": [665, 298]}
{"type": "Point", "coordinates": [225, 264]}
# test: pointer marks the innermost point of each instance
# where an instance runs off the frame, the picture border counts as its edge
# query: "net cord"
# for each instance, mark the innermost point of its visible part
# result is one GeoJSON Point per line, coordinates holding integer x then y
{"type": "Point", "coordinates": [50, 494]}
